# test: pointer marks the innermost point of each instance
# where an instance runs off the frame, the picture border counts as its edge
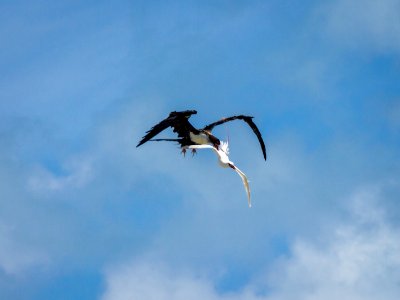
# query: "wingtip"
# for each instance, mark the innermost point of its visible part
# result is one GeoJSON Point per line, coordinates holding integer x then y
{"type": "Point", "coordinates": [264, 153]}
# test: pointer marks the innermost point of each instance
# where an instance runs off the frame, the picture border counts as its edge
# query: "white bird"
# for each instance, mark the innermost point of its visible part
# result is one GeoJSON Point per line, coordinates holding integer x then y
{"type": "Point", "coordinates": [222, 152]}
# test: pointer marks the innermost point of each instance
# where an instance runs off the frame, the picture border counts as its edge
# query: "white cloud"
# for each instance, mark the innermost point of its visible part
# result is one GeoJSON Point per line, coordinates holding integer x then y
{"type": "Point", "coordinates": [148, 281]}
{"type": "Point", "coordinates": [358, 260]}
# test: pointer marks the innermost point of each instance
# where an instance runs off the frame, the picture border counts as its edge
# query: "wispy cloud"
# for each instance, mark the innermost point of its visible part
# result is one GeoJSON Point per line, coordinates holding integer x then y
{"type": "Point", "coordinates": [78, 173]}
{"type": "Point", "coordinates": [16, 256]}
{"type": "Point", "coordinates": [357, 260]}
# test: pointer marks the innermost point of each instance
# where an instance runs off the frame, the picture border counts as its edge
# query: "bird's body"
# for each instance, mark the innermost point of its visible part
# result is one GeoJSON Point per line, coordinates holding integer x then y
{"type": "Point", "coordinates": [192, 138]}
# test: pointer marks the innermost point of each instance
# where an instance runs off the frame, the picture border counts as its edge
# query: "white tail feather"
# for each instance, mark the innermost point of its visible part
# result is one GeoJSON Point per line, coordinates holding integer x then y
{"type": "Point", "coordinates": [245, 183]}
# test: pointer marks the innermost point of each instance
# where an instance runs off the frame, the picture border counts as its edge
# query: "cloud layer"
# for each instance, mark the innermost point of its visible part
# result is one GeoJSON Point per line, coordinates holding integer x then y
{"type": "Point", "coordinates": [357, 260]}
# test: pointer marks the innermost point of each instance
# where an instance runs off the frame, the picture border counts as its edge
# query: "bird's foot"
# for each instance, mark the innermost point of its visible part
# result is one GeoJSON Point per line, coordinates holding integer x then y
{"type": "Point", "coordinates": [183, 151]}
{"type": "Point", "coordinates": [193, 152]}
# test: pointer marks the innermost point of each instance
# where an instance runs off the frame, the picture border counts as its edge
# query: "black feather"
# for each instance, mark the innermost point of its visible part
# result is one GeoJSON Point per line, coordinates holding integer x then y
{"type": "Point", "coordinates": [177, 120]}
{"type": "Point", "coordinates": [249, 121]}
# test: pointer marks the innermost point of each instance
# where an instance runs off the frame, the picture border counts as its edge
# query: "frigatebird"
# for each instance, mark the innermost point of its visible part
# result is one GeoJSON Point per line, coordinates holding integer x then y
{"type": "Point", "coordinates": [191, 138]}
{"type": "Point", "coordinates": [189, 135]}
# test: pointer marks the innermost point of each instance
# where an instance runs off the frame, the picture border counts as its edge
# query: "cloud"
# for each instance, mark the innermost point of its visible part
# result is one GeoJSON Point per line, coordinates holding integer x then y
{"type": "Point", "coordinates": [359, 260]}
{"type": "Point", "coordinates": [48, 206]}
{"type": "Point", "coordinates": [356, 260]}
{"type": "Point", "coordinates": [18, 251]}
{"type": "Point", "coordinates": [78, 173]}
{"type": "Point", "coordinates": [136, 201]}
{"type": "Point", "coordinates": [151, 282]}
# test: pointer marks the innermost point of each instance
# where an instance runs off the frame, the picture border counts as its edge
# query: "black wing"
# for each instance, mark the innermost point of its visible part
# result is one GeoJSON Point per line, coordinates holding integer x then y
{"type": "Point", "coordinates": [178, 120]}
{"type": "Point", "coordinates": [249, 121]}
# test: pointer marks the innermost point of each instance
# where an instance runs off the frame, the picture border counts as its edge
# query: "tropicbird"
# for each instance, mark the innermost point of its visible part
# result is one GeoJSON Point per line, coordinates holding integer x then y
{"type": "Point", "coordinates": [222, 152]}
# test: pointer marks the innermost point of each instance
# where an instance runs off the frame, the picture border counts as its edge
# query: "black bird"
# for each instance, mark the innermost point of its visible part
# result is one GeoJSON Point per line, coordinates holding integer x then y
{"type": "Point", "coordinates": [189, 135]}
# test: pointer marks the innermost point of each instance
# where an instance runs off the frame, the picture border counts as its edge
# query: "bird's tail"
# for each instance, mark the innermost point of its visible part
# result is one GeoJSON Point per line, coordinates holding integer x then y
{"type": "Point", "coordinates": [245, 182]}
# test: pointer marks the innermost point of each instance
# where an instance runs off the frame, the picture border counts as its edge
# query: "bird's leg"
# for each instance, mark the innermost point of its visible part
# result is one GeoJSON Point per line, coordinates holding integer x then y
{"type": "Point", "coordinates": [193, 152]}
{"type": "Point", "coordinates": [183, 151]}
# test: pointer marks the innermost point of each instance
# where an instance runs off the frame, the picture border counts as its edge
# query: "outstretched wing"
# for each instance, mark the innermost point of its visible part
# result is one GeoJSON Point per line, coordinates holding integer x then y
{"type": "Point", "coordinates": [249, 121]}
{"type": "Point", "coordinates": [178, 120]}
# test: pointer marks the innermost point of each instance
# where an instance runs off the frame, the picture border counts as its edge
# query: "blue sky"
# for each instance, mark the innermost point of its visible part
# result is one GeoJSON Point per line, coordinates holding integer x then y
{"type": "Point", "coordinates": [86, 215]}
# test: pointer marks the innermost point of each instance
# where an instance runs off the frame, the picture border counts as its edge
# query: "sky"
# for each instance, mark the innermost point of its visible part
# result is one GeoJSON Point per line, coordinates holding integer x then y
{"type": "Point", "coordinates": [84, 214]}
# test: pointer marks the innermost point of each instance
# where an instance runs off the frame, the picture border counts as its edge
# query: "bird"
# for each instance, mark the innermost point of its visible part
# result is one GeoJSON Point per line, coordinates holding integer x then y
{"type": "Point", "coordinates": [222, 152]}
{"type": "Point", "coordinates": [192, 138]}
{"type": "Point", "coordinates": [189, 135]}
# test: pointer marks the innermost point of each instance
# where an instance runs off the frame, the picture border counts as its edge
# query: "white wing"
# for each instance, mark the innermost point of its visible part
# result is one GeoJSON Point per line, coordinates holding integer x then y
{"type": "Point", "coordinates": [245, 183]}
{"type": "Point", "coordinates": [203, 147]}
{"type": "Point", "coordinates": [199, 147]}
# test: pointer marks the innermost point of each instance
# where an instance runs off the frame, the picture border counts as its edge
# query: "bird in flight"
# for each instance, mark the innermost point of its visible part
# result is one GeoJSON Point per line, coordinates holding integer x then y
{"type": "Point", "coordinates": [192, 138]}
{"type": "Point", "coordinates": [222, 152]}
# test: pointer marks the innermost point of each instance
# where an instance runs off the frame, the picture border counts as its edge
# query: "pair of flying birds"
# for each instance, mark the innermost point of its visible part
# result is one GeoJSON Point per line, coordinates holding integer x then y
{"type": "Point", "coordinates": [192, 138]}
